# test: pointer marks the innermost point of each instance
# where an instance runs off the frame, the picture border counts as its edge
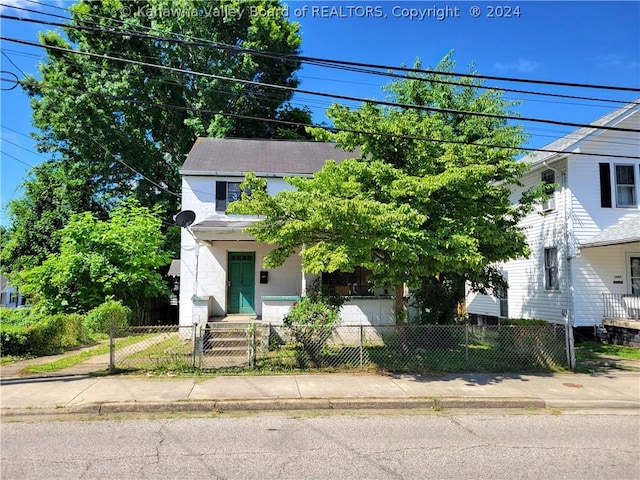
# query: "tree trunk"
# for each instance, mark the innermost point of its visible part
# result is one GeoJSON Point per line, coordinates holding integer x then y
{"type": "Point", "coordinates": [400, 306]}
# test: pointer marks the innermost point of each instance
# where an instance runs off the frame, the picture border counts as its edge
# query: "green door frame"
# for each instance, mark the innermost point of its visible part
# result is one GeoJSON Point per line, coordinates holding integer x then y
{"type": "Point", "coordinates": [241, 284]}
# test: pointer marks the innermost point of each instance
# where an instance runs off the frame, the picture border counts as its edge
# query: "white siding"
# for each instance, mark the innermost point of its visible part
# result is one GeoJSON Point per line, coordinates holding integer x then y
{"type": "Point", "coordinates": [584, 180]}
{"type": "Point", "coordinates": [594, 271]}
{"type": "Point", "coordinates": [199, 194]}
{"type": "Point", "coordinates": [212, 277]}
{"type": "Point", "coordinates": [527, 295]}
{"type": "Point", "coordinates": [584, 274]}
{"type": "Point", "coordinates": [210, 290]}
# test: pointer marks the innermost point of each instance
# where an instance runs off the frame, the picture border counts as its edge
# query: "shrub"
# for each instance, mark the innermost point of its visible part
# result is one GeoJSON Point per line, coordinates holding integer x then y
{"type": "Point", "coordinates": [99, 319]}
{"type": "Point", "coordinates": [42, 334]}
{"type": "Point", "coordinates": [14, 340]}
{"type": "Point", "coordinates": [16, 316]}
{"type": "Point", "coordinates": [312, 320]}
{"type": "Point", "coordinates": [55, 333]}
{"type": "Point", "coordinates": [522, 321]}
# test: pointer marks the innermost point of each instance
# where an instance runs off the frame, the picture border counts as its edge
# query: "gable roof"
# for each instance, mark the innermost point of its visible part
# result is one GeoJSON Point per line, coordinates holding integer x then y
{"type": "Point", "coordinates": [567, 142]}
{"type": "Point", "coordinates": [236, 156]}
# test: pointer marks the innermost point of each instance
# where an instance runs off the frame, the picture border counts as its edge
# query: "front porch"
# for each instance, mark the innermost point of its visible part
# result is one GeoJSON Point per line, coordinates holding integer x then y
{"type": "Point", "coordinates": [621, 318]}
{"type": "Point", "coordinates": [357, 310]}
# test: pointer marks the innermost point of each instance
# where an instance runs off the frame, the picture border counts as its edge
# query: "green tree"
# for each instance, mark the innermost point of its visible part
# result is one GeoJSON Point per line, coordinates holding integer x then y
{"type": "Point", "coordinates": [119, 121]}
{"type": "Point", "coordinates": [116, 258]}
{"type": "Point", "coordinates": [52, 193]}
{"type": "Point", "coordinates": [427, 201]}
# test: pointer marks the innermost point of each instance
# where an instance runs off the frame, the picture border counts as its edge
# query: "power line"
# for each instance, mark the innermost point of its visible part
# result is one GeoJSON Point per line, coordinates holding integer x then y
{"type": "Point", "coordinates": [13, 63]}
{"type": "Point", "coordinates": [17, 159]}
{"type": "Point", "coordinates": [328, 62]}
{"type": "Point", "coordinates": [311, 92]}
{"type": "Point", "coordinates": [358, 67]}
{"type": "Point", "coordinates": [23, 148]}
{"type": "Point", "coordinates": [291, 102]}
{"type": "Point", "coordinates": [134, 170]}
{"type": "Point", "coordinates": [336, 129]}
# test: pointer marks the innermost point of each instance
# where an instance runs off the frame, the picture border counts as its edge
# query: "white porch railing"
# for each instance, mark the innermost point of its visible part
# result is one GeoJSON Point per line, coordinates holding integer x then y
{"type": "Point", "coordinates": [621, 306]}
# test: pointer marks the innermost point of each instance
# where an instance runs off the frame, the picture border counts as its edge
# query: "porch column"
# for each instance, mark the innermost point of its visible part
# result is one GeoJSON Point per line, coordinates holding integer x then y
{"type": "Point", "coordinates": [303, 282]}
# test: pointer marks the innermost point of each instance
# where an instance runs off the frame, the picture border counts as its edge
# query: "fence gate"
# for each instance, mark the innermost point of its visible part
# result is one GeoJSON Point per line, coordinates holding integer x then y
{"type": "Point", "coordinates": [228, 345]}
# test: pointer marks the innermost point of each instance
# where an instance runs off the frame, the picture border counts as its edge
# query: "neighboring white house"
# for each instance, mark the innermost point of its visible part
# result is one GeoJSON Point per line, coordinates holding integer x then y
{"type": "Point", "coordinates": [584, 266]}
{"type": "Point", "coordinates": [221, 266]}
{"type": "Point", "coordinates": [10, 297]}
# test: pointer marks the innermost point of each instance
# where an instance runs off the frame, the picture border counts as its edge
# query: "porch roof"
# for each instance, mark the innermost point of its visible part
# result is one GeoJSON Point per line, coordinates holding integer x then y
{"type": "Point", "coordinates": [627, 231]}
{"type": "Point", "coordinates": [222, 229]}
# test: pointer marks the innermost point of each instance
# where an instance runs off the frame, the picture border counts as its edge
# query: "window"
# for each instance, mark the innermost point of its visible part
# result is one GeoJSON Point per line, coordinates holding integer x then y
{"type": "Point", "coordinates": [226, 192]}
{"type": "Point", "coordinates": [352, 283]}
{"type": "Point", "coordinates": [548, 177]}
{"type": "Point", "coordinates": [625, 186]}
{"type": "Point", "coordinates": [551, 269]}
{"type": "Point", "coordinates": [503, 298]}
{"type": "Point", "coordinates": [634, 272]}
{"type": "Point", "coordinates": [605, 185]}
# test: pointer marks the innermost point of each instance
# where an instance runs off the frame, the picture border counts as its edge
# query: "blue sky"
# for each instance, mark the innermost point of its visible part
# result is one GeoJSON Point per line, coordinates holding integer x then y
{"type": "Point", "coordinates": [589, 42]}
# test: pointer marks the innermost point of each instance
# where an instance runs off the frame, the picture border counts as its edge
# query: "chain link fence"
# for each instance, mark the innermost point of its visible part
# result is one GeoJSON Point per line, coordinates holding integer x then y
{"type": "Point", "coordinates": [406, 348]}
{"type": "Point", "coordinates": [170, 347]}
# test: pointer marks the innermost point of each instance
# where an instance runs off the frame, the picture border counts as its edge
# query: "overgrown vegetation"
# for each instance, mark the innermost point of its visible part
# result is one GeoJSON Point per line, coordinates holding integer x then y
{"type": "Point", "coordinates": [429, 215]}
{"type": "Point", "coordinates": [32, 332]}
{"type": "Point", "coordinates": [313, 319]}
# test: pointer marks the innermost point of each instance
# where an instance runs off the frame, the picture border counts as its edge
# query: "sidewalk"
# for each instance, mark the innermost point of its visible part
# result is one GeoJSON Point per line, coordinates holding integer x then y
{"type": "Point", "coordinates": [74, 391]}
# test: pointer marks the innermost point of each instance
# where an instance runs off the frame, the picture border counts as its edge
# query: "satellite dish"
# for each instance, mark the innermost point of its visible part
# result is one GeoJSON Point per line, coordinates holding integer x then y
{"type": "Point", "coordinates": [185, 218]}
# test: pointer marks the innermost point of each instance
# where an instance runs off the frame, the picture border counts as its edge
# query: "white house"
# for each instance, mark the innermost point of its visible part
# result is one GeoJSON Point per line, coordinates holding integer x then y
{"type": "Point", "coordinates": [10, 297]}
{"type": "Point", "coordinates": [221, 270]}
{"type": "Point", "coordinates": [584, 266]}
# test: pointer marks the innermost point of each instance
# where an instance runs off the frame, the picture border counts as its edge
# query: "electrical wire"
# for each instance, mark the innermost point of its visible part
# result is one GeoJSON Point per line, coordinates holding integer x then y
{"type": "Point", "coordinates": [448, 111]}
{"type": "Point", "coordinates": [23, 148]}
{"type": "Point", "coordinates": [336, 129]}
{"type": "Point", "coordinates": [13, 63]}
{"type": "Point", "coordinates": [327, 62]}
{"type": "Point", "coordinates": [15, 80]}
{"type": "Point", "coordinates": [17, 159]}
{"type": "Point", "coordinates": [343, 65]}
{"type": "Point", "coordinates": [294, 102]}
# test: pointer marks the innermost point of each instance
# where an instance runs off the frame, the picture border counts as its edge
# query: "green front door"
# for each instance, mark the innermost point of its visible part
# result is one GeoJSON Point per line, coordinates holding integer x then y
{"type": "Point", "coordinates": [241, 289]}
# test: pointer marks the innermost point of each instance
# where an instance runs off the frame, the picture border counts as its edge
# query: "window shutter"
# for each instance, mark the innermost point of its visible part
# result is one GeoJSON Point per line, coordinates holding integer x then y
{"type": "Point", "coordinates": [605, 185]}
{"type": "Point", "coordinates": [221, 196]}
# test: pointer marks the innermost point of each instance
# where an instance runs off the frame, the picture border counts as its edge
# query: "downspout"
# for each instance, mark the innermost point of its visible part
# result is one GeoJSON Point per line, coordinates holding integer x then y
{"type": "Point", "coordinates": [568, 256]}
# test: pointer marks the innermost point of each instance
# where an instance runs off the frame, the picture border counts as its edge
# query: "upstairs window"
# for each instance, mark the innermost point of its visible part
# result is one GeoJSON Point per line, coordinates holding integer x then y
{"type": "Point", "coordinates": [551, 269]}
{"type": "Point", "coordinates": [548, 177]}
{"type": "Point", "coordinates": [226, 192]}
{"type": "Point", "coordinates": [625, 186]}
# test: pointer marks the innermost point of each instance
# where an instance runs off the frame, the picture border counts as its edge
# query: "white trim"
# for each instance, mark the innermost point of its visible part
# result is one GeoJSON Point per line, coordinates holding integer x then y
{"type": "Point", "coordinates": [216, 173]}
{"type": "Point", "coordinates": [627, 266]}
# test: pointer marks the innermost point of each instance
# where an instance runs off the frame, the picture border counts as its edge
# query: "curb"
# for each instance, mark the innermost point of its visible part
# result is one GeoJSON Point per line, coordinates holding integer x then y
{"type": "Point", "coordinates": [287, 404]}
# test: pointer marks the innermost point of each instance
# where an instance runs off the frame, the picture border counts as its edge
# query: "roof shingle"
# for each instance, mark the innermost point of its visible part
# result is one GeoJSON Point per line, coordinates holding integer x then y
{"type": "Point", "coordinates": [234, 155]}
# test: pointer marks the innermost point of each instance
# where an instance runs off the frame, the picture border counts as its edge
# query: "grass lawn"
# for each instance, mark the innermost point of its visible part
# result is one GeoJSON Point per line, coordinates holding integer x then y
{"type": "Point", "coordinates": [590, 348]}
{"type": "Point", "coordinates": [71, 360]}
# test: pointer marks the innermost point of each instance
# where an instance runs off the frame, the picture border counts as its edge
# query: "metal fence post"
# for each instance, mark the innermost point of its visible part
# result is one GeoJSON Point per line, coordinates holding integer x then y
{"type": "Point", "coordinates": [112, 347]}
{"type": "Point", "coordinates": [571, 354]}
{"type": "Point", "coordinates": [193, 343]}
{"type": "Point", "coordinates": [251, 334]}
{"type": "Point", "coordinates": [466, 344]}
{"type": "Point", "coordinates": [200, 348]}
{"type": "Point", "coordinates": [361, 346]}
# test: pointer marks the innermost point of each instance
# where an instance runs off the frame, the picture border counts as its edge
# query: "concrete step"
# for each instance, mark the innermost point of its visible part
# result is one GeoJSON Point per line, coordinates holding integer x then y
{"type": "Point", "coordinates": [226, 352]}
